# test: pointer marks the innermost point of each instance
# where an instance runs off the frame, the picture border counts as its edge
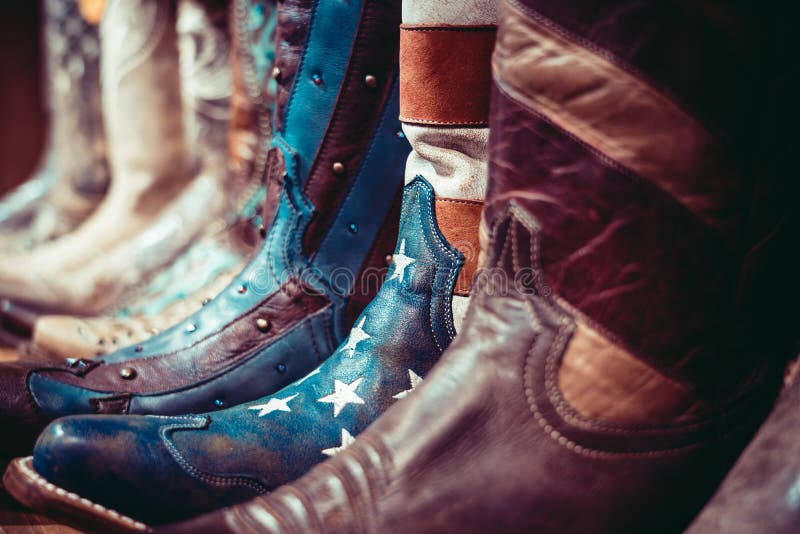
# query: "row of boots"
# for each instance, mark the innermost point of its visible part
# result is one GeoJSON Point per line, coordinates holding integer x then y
{"type": "Point", "coordinates": [476, 265]}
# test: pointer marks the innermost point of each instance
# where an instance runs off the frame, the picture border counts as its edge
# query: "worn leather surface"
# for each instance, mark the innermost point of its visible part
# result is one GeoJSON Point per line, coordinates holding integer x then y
{"type": "Point", "coordinates": [179, 467]}
{"type": "Point", "coordinates": [245, 361]}
{"type": "Point", "coordinates": [18, 411]}
{"type": "Point", "coordinates": [291, 32]}
{"type": "Point", "coordinates": [488, 442]}
{"type": "Point", "coordinates": [724, 46]}
{"type": "Point", "coordinates": [452, 63]}
{"type": "Point", "coordinates": [486, 418]}
{"type": "Point", "coordinates": [760, 494]}
{"type": "Point", "coordinates": [459, 221]}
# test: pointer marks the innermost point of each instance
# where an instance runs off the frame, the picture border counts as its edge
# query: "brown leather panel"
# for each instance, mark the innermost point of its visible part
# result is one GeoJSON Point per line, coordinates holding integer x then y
{"type": "Point", "coordinates": [602, 381]}
{"type": "Point", "coordinates": [619, 115]}
{"type": "Point", "coordinates": [276, 169]}
{"type": "Point", "coordinates": [459, 220]}
{"type": "Point", "coordinates": [445, 75]}
{"type": "Point", "coordinates": [355, 115]}
{"type": "Point", "coordinates": [294, 18]}
{"type": "Point", "coordinates": [235, 342]}
{"type": "Point", "coordinates": [616, 247]}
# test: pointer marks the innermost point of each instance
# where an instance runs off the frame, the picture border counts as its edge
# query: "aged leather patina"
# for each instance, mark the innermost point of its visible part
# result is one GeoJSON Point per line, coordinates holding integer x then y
{"type": "Point", "coordinates": [286, 312]}
{"type": "Point", "coordinates": [164, 469]}
{"type": "Point", "coordinates": [603, 380]}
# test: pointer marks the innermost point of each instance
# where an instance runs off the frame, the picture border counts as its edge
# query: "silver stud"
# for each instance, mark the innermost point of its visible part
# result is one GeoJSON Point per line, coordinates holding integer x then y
{"type": "Point", "coordinates": [276, 73]}
{"type": "Point", "coordinates": [370, 81]}
{"type": "Point", "coordinates": [388, 259]}
{"type": "Point", "coordinates": [262, 324]}
{"type": "Point", "coordinates": [191, 328]}
{"type": "Point", "coordinates": [338, 168]}
{"type": "Point", "coordinates": [127, 373]}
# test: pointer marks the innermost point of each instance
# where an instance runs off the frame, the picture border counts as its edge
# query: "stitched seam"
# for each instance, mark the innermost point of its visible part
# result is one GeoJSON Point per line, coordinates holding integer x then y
{"type": "Point", "coordinates": [605, 159]}
{"type": "Point", "coordinates": [481, 123]}
{"type": "Point", "coordinates": [633, 176]}
{"type": "Point", "coordinates": [445, 247]}
{"type": "Point", "coordinates": [189, 469]}
{"type": "Point", "coordinates": [488, 28]}
{"type": "Point", "coordinates": [459, 201]}
{"type": "Point", "coordinates": [63, 495]}
{"type": "Point", "coordinates": [297, 75]}
{"type": "Point", "coordinates": [609, 56]}
{"type": "Point", "coordinates": [555, 348]}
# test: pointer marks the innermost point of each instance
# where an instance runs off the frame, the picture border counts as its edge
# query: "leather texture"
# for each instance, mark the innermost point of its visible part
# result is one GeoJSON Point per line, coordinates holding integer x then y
{"type": "Point", "coordinates": [486, 417]}
{"type": "Point", "coordinates": [452, 63]}
{"type": "Point", "coordinates": [459, 221]}
{"type": "Point", "coordinates": [489, 442]}
{"type": "Point", "coordinates": [175, 468]}
{"type": "Point", "coordinates": [760, 494]}
{"type": "Point", "coordinates": [286, 311]}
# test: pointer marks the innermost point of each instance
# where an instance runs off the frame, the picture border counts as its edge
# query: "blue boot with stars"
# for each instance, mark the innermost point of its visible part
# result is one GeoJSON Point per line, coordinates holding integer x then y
{"type": "Point", "coordinates": [156, 469]}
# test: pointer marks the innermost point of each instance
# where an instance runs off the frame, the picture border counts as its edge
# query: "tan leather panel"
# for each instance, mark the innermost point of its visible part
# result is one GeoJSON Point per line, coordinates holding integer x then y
{"type": "Point", "coordinates": [618, 114]}
{"type": "Point", "coordinates": [458, 221]}
{"type": "Point", "coordinates": [445, 74]}
{"type": "Point", "coordinates": [602, 381]}
{"type": "Point", "coordinates": [92, 10]}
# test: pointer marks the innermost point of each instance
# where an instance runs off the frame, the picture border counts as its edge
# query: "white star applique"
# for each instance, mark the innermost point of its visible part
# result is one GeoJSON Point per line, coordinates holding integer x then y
{"type": "Point", "coordinates": [415, 380]}
{"type": "Point", "coordinates": [357, 335]}
{"type": "Point", "coordinates": [347, 440]}
{"type": "Point", "coordinates": [401, 261]}
{"type": "Point", "coordinates": [273, 405]}
{"type": "Point", "coordinates": [343, 395]}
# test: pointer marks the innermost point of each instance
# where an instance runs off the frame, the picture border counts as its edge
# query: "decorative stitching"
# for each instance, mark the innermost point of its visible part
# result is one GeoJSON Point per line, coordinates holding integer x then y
{"type": "Point", "coordinates": [64, 495]}
{"type": "Point", "coordinates": [213, 480]}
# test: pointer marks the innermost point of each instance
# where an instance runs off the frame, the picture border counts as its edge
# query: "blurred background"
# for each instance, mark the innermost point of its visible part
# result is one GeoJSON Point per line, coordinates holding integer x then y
{"type": "Point", "coordinates": [23, 124]}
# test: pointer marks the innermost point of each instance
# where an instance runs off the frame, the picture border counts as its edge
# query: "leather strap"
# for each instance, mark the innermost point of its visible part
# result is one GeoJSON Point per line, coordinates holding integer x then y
{"type": "Point", "coordinates": [458, 221]}
{"type": "Point", "coordinates": [445, 74]}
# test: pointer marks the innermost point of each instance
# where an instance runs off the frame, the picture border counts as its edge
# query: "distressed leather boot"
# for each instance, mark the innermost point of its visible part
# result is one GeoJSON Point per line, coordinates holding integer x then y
{"type": "Point", "coordinates": [602, 381]}
{"type": "Point", "coordinates": [335, 173]}
{"type": "Point", "coordinates": [213, 261]}
{"type": "Point", "coordinates": [73, 175]}
{"type": "Point", "coordinates": [183, 466]}
{"type": "Point", "coordinates": [152, 211]}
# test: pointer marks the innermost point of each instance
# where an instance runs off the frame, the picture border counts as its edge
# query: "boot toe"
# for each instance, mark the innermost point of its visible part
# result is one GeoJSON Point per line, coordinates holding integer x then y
{"type": "Point", "coordinates": [125, 463]}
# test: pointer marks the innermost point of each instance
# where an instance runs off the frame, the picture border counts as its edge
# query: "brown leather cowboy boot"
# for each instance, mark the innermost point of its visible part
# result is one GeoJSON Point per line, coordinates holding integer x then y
{"type": "Point", "coordinates": [213, 261]}
{"type": "Point", "coordinates": [602, 381]}
{"type": "Point", "coordinates": [73, 176]}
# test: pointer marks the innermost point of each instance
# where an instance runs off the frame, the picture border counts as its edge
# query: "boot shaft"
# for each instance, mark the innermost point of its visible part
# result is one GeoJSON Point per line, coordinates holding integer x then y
{"type": "Point", "coordinates": [640, 200]}
{"type": "Point", "coordinates": [204, 54]}
{"type": "Point", "coordinates": [142, 104]}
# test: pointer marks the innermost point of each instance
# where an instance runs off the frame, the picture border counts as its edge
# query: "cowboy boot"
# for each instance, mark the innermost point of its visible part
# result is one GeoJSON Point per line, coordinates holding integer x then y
{"type": "Point", "coordinates": [152, 204]}
{"type": "Point", "coordinates": [73, 176]}
{"type": "Point", "coordinates": [601, 382]}
{"type": "Point", "coordinates": [396, 340]}
{"type": "Point", "coordinates": [331, 225]}
{"type": "Point", "coordinates": [212, 262]}
{"type": "Point", "coordinates": [760, 492]}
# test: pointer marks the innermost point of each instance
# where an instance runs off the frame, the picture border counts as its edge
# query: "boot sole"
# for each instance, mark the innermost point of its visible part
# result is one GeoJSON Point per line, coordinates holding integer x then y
{"type": "Point", "coordinates": [35, 492]}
